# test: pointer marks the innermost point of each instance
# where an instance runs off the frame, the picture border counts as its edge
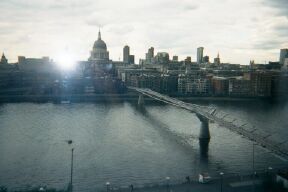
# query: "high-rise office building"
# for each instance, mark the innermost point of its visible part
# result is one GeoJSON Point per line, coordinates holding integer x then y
{"type": "Point", "coordinates": [151, 52]}
{"type": "Point", "coordinates": [150, 55]}
{"type": "Point", "coordinates": [206, 59]}
{"type": "Point", "coordinates": [162, 58]}
{"type": "Point", "coordinates": [283, 55]}
{"type": "Point", "coordinates": [285, 65]}
{"type": "Point", "coordinates": [126, 53]}
{"type": "Point", "coordinates": [188, 59]}
{"type": "Point", "coordinates": [200, 55]}
{"type": "Point", "coordinates": [131, 59]}
{"type": "Point", "coordinates": [175, 58]}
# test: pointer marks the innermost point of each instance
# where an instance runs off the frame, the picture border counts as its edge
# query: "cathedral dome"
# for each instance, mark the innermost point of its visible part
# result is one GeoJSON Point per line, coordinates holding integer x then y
{"type": "Point", "coordinates": [99, 44]}
{"type": "Point", "coordinates": [99, 51]}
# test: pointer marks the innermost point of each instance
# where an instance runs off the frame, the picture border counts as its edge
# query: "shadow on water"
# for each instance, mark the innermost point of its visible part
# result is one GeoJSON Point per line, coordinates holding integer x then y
{"type": "Point", "coordinates": [156, 123]}
{"type": "Point", "coordinates": [201, 160]}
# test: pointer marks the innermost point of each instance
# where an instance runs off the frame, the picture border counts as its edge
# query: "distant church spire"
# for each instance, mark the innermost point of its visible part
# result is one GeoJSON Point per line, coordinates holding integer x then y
{"type": "Point", "coordinates": [218, 55]}
{"type": "Point", "coordinates": [3, 59]}
{"type": "Point", "coordinates": [99, 35]}
{"type": "Point", "coordinates": [3, 56]}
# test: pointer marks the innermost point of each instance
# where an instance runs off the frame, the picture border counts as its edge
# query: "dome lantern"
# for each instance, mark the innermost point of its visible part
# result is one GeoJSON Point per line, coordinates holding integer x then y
{"type": "Point", "coordinates": [99, 44]}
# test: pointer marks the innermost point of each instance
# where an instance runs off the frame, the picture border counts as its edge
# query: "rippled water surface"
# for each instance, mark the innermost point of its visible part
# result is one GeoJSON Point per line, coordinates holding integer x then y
{"type": "Point", "coordinates": [123, 145]}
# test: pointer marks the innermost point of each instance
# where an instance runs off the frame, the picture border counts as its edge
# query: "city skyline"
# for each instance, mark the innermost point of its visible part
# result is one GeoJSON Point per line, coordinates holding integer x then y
{"type": "Point", "coordinates": [71, 27]}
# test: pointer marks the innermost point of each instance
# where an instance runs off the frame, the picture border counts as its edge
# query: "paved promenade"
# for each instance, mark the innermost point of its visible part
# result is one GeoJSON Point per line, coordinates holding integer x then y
{"type": "Point", "coordinates": [231, 184]}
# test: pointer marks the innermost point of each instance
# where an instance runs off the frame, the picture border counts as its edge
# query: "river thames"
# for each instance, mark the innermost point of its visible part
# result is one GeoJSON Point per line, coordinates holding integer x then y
{"type": "Point", "coordinates": [124, 145]}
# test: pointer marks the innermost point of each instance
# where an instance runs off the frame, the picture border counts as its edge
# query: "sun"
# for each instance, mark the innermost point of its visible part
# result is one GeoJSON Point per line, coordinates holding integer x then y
{"type": "Point", "coordinates": [65, 62]}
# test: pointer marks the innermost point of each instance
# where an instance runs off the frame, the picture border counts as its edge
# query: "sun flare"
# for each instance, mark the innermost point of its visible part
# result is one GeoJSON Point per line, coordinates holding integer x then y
{"type": "Point", "coordinates": [65, 61]}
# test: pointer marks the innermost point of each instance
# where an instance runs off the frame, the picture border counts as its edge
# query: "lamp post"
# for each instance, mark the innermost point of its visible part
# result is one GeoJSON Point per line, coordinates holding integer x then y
{"type": "Point", "coordinates": [70, 187]}
{"type": "Point", "coordinates": [107, 185]}
{"type": "Point", "coordinates": [167, 180]}
{"type": "Point", "coordinates": [253, 162]}
{"type": "Point", "coordinates": [71, 176]}
{"type": "Point", "coordinates": [221, 182]}
{"type": "Point", "coordinates": [270, 169]}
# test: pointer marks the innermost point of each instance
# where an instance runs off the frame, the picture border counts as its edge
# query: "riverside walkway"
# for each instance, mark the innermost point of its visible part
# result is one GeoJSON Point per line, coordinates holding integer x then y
{"type": "Point", "coordinates": [227, 183]}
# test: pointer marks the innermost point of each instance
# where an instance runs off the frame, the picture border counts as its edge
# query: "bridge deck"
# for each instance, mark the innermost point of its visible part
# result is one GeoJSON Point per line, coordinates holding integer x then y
{"type": "Point", "coordinates": [219, 117]}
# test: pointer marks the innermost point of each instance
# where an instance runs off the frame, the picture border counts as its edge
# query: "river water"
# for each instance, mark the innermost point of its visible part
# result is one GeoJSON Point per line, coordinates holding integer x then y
{"type": "Point", "coordinates": [122, 144]}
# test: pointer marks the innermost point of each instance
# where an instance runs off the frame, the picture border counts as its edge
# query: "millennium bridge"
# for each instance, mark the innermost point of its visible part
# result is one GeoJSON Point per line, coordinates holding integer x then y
{"type": "Point", "coordinates": [208, 114]}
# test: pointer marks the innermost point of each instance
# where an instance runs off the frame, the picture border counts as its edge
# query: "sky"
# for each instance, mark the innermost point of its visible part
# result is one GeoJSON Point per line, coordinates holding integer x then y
{"type": "Point", "coordinates": [240, 30]}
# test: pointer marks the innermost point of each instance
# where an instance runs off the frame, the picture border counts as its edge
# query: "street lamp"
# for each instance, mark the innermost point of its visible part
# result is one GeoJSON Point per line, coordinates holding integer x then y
{"type": "Point", "coordinates": [253, 154]}
{"type": "Point", "coordinates": [270, 169]}
{"type": "Point", "coordinates": [71, 176]}
{"type": "Point", "coordinates": [71, 168]}
{"type": "Point", "coordinates": [167, 180]}
{"type": "Point", "coordinates": [107, 185]}
{"type": "Point", "coordinates": [253, 161]}
{"type": "Point", "coordinates": [221, 175]}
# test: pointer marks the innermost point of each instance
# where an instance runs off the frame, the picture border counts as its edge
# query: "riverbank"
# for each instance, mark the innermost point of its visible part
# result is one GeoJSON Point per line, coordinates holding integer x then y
{"type": "Point", "coordinates": [264, 181]}
{"type": "Point", "coordinates": [130, 96]}
{"type": "Point", "coordinates": [259, 183]}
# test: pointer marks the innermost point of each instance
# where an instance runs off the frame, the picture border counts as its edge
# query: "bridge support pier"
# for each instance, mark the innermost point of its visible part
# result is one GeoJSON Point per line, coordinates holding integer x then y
{"type": "Point", "coordinates": [141, 100]}
{"type": "Point", "coordinates": [204, 138]}
{"type": "Point", "coordinates": [204, 130]}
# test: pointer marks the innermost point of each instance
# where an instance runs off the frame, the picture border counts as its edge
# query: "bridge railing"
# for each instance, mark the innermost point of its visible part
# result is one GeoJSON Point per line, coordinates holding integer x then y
{"type": "Point", "coordinates": [212, 113]}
